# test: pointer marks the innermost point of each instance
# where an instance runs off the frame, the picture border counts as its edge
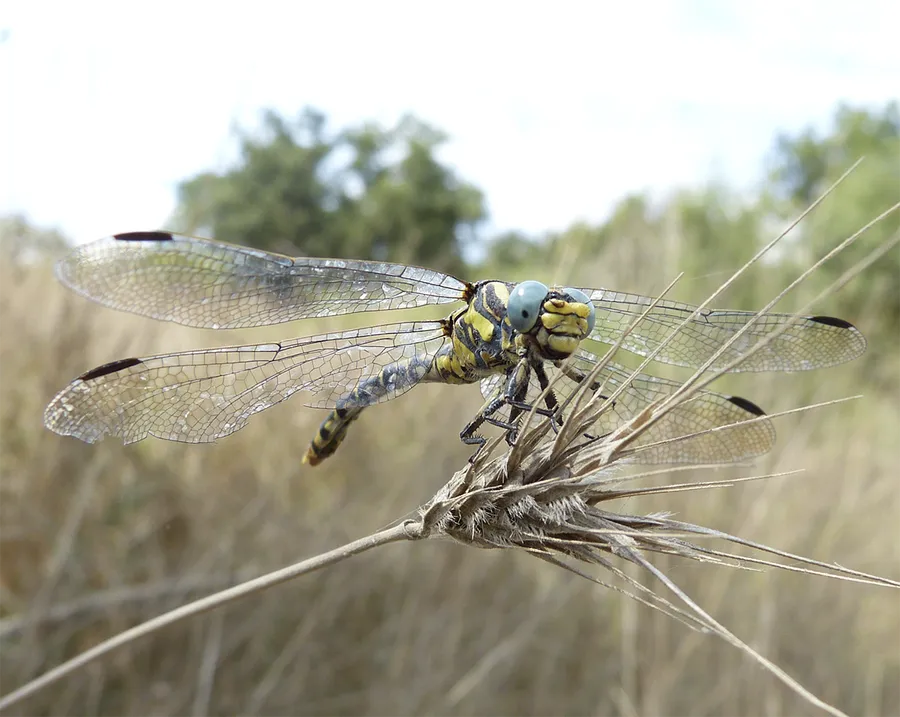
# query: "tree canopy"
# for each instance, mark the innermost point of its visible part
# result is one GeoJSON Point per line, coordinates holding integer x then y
{"type": "Point", "coordinates": [364, 192]}
{"type": "Point", "coordinates": [805, 165]}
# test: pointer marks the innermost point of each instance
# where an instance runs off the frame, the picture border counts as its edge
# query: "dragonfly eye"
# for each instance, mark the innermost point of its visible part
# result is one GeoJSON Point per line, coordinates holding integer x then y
{"type": "Point", "coordinates": [525, 304]}
{"type": "Point", "coordinates": [582, 298]}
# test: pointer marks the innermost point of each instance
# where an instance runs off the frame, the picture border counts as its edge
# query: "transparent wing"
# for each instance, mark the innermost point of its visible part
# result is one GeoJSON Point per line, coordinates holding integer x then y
{"type": "Point", "coordinates": [704, 411]}
{"type": "Point", "coordinates": [493, 384]}
{"type": "Point", "coordinates": [199, 396]}
{"type": "Point", "coordinates": [209, 284]}
{"type": "Point", "coordinates": [812, 342]}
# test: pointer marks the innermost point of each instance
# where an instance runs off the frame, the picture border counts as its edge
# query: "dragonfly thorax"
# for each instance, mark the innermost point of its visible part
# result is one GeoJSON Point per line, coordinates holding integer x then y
{"type": "Point", "coordinates": [505, 321]}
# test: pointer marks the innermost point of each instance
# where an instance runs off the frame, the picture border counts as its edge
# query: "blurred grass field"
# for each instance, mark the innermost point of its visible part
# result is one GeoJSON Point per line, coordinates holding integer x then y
{"type": "Point", "coordinates": [97, 538]}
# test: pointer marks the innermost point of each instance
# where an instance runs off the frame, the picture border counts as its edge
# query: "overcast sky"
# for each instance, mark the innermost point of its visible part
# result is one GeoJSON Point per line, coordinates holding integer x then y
{"type": "Point", "coordinates": [554, 110]}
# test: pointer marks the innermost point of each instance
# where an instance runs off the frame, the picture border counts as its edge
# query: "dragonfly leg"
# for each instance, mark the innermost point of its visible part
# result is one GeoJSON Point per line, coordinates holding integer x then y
{"type": "Point", "coordinates": [551, 403]}
{"type": "Point", "coordinates": [516, 387]}
{"type": "Point", "coordinates": [553, 408]}
{"type": "Point", "coordinates": [468, 434]}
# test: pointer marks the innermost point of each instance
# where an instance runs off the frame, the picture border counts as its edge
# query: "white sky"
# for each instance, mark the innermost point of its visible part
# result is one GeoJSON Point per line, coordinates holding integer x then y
{"type": "Point", "coordinates": [555, 110]}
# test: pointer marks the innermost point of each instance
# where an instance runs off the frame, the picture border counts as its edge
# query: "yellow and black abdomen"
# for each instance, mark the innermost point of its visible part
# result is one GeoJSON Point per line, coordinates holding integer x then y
{"type": "Point", "coordinates": [390, 382]}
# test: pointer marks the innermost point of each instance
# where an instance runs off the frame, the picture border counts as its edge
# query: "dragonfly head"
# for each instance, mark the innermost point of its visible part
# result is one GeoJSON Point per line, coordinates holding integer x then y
{"type": "Point", "coordinates": [555, 320]}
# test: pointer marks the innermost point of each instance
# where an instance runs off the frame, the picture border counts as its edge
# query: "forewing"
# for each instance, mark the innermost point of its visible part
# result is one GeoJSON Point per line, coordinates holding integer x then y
{"type": "Point", "coordinates": [811, 342]}
{"type": "Point", "coordinates": [209, 284]}
{"type": "Point", "coordinates": [199, 396]}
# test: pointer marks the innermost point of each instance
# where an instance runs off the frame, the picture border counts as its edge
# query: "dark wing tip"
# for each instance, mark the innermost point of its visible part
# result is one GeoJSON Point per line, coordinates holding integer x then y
{"type": "Point", "coordinates": [109, 368]}
{"type": "Point", "coordinates": [144, 236]}
{"type": "Point", "coordinates": [832, 321]}
{"type": "Point", "coordinates": [748, 406]}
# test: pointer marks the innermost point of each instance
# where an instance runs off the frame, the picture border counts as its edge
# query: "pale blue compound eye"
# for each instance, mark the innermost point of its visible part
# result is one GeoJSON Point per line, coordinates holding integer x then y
{"type": "Point", "coordinates": [582, 298]}
{"type": "Point", "coordinates": [525, 303]}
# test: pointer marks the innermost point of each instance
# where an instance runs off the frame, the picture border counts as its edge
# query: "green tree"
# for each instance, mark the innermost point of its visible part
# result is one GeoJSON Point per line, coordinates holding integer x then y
{"type": "Point", "coordinates": [622, 253]}
{"type": "Point", "coordinates": [807, 164]}
{"type": "Point", "coordinates": [363, 192]}
{"type": "Point", "coordinates": [713, 232]}
{"type": "Point", "coordinates": [511, 252]}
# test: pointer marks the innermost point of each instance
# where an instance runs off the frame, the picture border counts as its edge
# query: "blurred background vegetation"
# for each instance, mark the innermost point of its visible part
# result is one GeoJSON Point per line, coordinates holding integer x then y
{"type": "Point", "coordinates": [97, 538]}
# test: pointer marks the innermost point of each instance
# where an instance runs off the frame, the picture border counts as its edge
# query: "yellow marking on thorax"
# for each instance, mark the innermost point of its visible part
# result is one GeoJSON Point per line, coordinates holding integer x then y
{"type": "Point", "coordinates": [483, 325]}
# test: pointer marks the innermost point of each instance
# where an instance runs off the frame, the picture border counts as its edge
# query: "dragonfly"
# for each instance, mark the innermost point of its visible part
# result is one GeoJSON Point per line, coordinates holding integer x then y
{"type": "Point", "coordinates": [512, 338]}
